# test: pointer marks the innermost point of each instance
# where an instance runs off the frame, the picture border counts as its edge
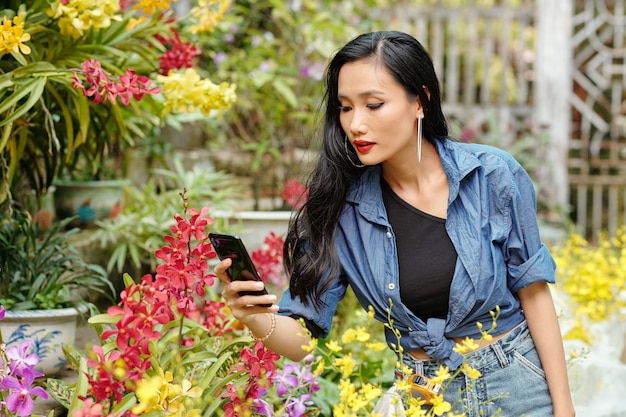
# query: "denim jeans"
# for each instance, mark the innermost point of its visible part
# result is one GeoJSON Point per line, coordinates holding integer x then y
{"type": "Point", "coordinates": [512, 379]}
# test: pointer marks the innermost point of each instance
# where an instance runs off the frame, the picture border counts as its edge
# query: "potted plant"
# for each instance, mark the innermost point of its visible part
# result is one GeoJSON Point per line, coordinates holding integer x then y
{"type": "Point", "coordinates": [127, 242]}
{"type": "Point", "coordinates": [44, 282]}
{"type": "Point", "coordinates": [83, 81]}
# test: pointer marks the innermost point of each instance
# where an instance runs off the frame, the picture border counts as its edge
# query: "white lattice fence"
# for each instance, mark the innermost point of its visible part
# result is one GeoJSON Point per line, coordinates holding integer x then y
{"type": "Point", "coordinates": [597, 160]}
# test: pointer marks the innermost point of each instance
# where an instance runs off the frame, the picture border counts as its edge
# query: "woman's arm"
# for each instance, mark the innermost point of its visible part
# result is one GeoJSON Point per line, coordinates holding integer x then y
{"type": "Point", "coordinates": [543, 324]}
{"type": "Point", "coordinates": [281, 334]}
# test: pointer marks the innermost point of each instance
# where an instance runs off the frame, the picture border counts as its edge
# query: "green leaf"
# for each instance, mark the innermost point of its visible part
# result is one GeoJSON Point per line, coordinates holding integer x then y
{"type": "Point", "coordinates": [285, 91]}
{"type": "Point", "coordinates": [20, 92]}
{"type": "Point", "coordinates": [60, 391]}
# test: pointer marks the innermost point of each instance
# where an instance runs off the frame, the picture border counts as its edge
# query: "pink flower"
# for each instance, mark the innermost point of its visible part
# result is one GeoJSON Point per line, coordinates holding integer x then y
{"type": "Point", "coordinates": [20, 399]}
{"type": "Point", "coordinates": [99, 84]}
{"type": "Point", "coordinates": [89, 409]}
{"type": "Point", "coordinates": [20, 360]}
{"type": "Point", "coordinates": [295, 193]}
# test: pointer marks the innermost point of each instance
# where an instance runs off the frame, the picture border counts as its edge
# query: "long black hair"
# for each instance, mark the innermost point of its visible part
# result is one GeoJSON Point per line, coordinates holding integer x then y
{"type": "Point", "coordinates": [309, 250]}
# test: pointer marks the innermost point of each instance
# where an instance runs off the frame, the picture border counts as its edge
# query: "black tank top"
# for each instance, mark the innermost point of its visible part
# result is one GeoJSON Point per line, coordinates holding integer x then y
{"type": "Point", "coordinates": [426, 256]}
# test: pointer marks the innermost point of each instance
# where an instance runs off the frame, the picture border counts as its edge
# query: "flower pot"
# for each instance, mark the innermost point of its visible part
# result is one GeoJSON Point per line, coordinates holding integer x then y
{"type": "Point", "coordinates": [254, 226]}
{"type": "Point", "coordinates": [89, 200]}
{"type": "Point", "coordinates": [48, 329]}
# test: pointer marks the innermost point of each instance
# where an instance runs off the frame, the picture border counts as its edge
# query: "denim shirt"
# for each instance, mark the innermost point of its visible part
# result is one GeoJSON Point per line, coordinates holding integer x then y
{"type": "Point", "coordinates": [491, 221]}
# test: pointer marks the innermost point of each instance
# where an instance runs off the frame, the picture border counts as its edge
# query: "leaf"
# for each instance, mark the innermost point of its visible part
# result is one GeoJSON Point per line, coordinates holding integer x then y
{"type": "Point", "coordinates": [20, 92]}
{"type": "Point", "coordinates": [72, 354]}
{"type": "Point", "coordinates": [60, 391]}
{"type": "Point", "coordinates": [285, 91]}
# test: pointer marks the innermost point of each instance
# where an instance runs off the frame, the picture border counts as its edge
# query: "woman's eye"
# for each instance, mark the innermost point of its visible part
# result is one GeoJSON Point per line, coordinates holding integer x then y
{"type": "Point", "coordinates": [345, 108]}
{"type": "Point", "coordinates": [375, 105]}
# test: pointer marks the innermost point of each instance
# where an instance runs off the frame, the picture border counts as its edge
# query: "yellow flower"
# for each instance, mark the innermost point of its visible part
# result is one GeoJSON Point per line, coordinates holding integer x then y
{"type": "Point", "coordinates": [78, 16]}
{"type": "Point", "coordinates": [376, 346]}
{"type": "Point", "coordinates": [346, 364]}
{"type": "Point", "coordinates": [371, 392]}
{"type": "Point", "coordinates": [443, 373]}
{"type": "Point", "coordinates": [12, 35]}
{"type": "Point", "coordinates": [188, 92]}
{"type": "Point", "coordinates": [440, 406]}
{"type": "Point", "coordinates": [470, 372]}
{"type": "Point", "coordinates": [467, 345]}
{"type": "Point", "coordinates": [333, 346]}
{"type": "Point", "coordinates": [360, 334]}
{"type": "Point", "coordinates": [311, 346]}
{"type": "Point", "coordinates": [148, 7]}
{"type": "Point", "coordinates": [208, 13]}
{"type": "Point", "coordinates": [149, 394]}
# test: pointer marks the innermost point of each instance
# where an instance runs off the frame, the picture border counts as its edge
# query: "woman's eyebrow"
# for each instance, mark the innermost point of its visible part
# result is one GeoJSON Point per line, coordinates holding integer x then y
{"type": "Point", "coordinates": [364, 93]}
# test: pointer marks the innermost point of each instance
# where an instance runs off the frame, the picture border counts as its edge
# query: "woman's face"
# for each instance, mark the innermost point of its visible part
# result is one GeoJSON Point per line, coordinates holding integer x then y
{"type": "Point", "coordinates": [376, 114]}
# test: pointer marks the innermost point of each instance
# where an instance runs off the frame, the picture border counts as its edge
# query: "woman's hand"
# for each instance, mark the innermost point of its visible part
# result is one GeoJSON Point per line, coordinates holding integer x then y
{"type": "Point", "coordinates": [281, 334]}
{"type": "Point", "coordinates": [245, 307]}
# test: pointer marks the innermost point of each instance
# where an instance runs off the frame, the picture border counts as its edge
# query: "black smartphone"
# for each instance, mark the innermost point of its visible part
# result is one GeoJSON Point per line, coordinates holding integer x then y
{"type": "Point", "coordinates": [242, 268]}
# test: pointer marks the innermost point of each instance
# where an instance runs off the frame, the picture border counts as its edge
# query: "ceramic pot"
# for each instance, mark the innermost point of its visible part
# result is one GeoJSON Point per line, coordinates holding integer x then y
{"type": "Point", "coordinates": [48, 329]}
{"type": "Point", "coordinates": [254, 226]}
{"type": "Point", "coordinates": [89, 200]}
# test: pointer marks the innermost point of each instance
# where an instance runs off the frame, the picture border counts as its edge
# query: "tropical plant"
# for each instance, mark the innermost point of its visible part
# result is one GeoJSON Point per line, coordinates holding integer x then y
{"type": "Point", "coordinates": [130, 239]}
{"type": "Point", "coordinates": [40, 269]}
{"type": "Point", "coordinates": [170, 346]}
{"type": "Point", "coordinates": [77, 82]}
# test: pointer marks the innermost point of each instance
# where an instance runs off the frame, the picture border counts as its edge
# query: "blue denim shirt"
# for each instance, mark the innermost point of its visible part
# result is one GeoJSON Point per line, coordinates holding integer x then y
{"type": "Point", "coordinates": [491, 221]}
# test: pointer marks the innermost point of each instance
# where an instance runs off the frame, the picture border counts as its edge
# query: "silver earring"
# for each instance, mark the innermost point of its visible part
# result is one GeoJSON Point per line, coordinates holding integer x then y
{"type": "Point", "coordinates": [419, 139]}
{"type": "Point", "coordinates": [345, 144]}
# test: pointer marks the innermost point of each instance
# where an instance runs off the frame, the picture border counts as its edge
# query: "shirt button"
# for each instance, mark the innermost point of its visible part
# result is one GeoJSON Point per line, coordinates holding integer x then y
{"type": "Point", "coordinates": [391, 286]}
{"type": "Point", "coordinates": [389, 235]}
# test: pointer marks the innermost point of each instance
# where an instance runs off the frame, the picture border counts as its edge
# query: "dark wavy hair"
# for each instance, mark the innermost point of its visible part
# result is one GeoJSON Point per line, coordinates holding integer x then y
{"type": "Point", "coordinates": [309, 250]}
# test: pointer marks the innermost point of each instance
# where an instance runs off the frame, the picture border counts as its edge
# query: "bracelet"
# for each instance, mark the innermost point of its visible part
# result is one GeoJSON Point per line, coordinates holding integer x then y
{"type": "Point", "coordinates": [269, 333]}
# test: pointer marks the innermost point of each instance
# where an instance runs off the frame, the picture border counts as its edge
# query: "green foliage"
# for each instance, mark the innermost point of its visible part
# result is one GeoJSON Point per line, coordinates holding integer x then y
{"type": "Point", "coordinates": [41, 270]}
{"type": "Point", "coordinates": [132, 237]}
{"type": "Point", "coordinates": [46, 125]}
{"type": "Point", "coordinates": [276, 54]}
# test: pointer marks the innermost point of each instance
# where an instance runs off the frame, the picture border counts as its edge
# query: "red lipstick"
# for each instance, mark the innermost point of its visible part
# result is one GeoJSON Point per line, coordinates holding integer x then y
{"type": "Point", "coordinates": [363, 146]}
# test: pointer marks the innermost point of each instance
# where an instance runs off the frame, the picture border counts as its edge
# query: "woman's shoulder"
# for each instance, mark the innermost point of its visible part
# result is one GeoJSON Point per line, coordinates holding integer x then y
{"type": "Point", "coordinates": [488, 156]}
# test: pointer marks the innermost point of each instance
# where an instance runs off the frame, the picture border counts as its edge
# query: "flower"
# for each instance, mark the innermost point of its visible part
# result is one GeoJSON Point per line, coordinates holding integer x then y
{"type": "Point", "coordinates": [269, 259]}
{"type": "Point", "coordinates": [594, 278]}
{"type": "Point", "coordinates": [81, 82]}
{"type": "Point", "coordinates": [17, 373]}
{"type": "Point", "coordinates": [171, 347]}
{"type": "Point", "coordinates": [12, 35]}
{"type": "Point", "coordinates": [188, 92]}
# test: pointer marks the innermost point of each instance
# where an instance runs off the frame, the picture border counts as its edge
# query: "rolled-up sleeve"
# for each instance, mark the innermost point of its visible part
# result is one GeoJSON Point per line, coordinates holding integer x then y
{"type": "Point", "coordinates": [528, 259]}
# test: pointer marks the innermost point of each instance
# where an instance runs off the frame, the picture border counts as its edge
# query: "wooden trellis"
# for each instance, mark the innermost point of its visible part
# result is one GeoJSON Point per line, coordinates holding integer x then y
{"type": "Point", "coordinates": [551, 76]}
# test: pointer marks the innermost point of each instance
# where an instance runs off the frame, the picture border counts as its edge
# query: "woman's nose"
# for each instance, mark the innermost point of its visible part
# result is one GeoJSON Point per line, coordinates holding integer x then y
{"type": "Point", "coordinates": [357, 123]}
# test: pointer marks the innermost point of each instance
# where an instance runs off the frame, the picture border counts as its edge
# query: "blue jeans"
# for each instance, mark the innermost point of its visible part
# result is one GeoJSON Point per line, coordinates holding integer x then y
{"type": "Point", "coordinates": [512, 379]}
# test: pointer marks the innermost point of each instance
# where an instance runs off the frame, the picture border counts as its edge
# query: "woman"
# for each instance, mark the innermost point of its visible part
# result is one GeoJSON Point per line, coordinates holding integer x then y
{"type": "Point", "coordinates": [446, 231]}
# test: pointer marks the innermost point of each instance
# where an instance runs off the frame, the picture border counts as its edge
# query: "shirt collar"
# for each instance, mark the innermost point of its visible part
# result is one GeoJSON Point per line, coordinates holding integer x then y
{"type": "Point", "coordinates": [457, 161]}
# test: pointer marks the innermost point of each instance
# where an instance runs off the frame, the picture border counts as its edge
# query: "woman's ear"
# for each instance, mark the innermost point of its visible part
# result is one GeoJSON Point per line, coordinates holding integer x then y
{"type": "Point", "coordinates": [420, 108]}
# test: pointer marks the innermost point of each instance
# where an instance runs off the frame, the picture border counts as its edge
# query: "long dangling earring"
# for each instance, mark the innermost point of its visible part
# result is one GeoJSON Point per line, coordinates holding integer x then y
{"type": "Point", "coordinates": [345, 144]}
{"type": "Point", "coordinates": [419, 139]}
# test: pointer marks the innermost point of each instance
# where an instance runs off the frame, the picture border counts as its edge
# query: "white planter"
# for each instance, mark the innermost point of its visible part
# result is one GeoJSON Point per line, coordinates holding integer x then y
{"type": "Point", "coordinates": [48, 329]}
{"type": "Point", "coordinates": [254, 226]}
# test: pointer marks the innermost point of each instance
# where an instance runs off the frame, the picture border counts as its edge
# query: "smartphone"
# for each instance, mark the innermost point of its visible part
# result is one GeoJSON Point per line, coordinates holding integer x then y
{"type": "Point", "coordinates": [242, 268]}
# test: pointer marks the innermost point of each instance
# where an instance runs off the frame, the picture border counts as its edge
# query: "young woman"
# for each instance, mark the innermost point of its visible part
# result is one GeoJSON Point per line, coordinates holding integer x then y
{"type": "Point", "coordinates": [447, 231]}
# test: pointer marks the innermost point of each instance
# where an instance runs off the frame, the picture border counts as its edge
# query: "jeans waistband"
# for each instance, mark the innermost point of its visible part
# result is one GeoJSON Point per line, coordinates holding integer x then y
{"type": "Point", "coordinates": [496, 350]}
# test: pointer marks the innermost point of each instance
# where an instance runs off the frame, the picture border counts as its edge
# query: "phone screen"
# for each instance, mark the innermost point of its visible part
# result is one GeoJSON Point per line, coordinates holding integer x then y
{"type": "Point", "coordinates": [242, 268]}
